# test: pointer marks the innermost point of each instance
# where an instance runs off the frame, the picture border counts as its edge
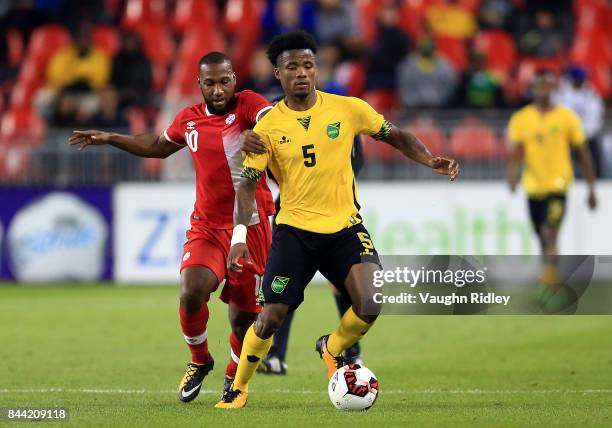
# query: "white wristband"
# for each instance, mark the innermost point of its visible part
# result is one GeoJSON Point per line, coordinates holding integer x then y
{"type": "Point", "coordinates": [239, 235]}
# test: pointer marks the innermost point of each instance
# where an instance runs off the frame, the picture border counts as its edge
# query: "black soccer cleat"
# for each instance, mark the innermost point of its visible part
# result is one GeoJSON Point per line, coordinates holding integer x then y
{"type": "Point", "coordinates": [227, 385]}
{"type": "Point", "coordinates": [332, 362]}
{"type": "Point", "coordinates": [190, 385]}
{"type": "Point", "coordinates": [272, 365]}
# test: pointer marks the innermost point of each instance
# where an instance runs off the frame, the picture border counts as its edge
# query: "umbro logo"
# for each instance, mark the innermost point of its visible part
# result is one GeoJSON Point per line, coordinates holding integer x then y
{"type": "Point", "coordinates": [284, 140]}
{"type": "Point", "coordinates": [186, 256]}
{"type": "Point", "coordinates": [230, 119]}
{"type": "Point", "coordinates": [191, 124]}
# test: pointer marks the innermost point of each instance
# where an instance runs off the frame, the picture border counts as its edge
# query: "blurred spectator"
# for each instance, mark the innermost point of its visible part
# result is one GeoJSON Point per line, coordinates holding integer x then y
{"type": "Point", "coordinates": [337, 21]}
{"type": "Point", "coordinates": [81, 66]}
{"type": "Point", "coordinates": [71, 13]}
{"type": "Point", "coordinates": [450, 19]}
{"type": "Point", "coordinates": [64, 111]}
{"type": "Point", "coordinates": [495, 13]}
{"type": "Point", "coordinates": [109, 117]}
{"type": "Point", "coordinates": [261, 78]}
{"type": "Point", "coordinates": [543, 40]}
{"type": "Point", "coordinates": [390, 46]}
{"type": "Point", "coordinates": [575, 92]}
{"type": "Point", "coordinates": [426, 79]}
{"type": "Point", "coordinates": [131, 72]}
{"type": "Point", "coordinates": [24, 15]}
{"type": "Point", "coordinates": [480, 88]}
{"type": "Point", "coordinates": [328, 59]}
{"type": "Point", "coordinates": [281, 16]}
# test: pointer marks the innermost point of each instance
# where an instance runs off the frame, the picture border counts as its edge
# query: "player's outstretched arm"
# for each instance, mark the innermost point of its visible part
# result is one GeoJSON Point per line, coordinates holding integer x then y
{"type": "Point", "coordinates": [585, 163]}
{"type": "Point", "coordinates": [245, 205]}
{"type": "Point", "coordinates": [414, 149]}
{"type": "Point", "coordinates": [143, 145]}
{"type": "Point", "coordinates": [515, 158]}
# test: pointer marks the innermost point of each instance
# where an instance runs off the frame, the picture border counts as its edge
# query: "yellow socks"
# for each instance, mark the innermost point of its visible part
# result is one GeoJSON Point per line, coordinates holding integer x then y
{"type": "Point", "coordinates": [550, 276]}
{"type": "Point", "coordinates": [253, 350]}
{"type": "Point", "coordinates": [350, 330]}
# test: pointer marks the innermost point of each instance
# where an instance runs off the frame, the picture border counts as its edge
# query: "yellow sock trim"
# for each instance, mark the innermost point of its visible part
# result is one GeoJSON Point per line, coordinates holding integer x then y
{"type": "Point", "coordinates": [550, 276]}
{"type": "Point", "coordinates": [351, 329]}
{"type": "Point", "coordinates": [254, 349]}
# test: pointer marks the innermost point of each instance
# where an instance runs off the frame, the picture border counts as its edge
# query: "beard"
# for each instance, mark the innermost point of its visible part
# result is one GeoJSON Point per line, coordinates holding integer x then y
{"type": "Point", "coordinates": [221, 111]}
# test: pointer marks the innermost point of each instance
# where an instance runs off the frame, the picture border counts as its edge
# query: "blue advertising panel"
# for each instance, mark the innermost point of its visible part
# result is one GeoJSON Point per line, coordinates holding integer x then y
{"type": "Point", "coordinates": [55, 235]}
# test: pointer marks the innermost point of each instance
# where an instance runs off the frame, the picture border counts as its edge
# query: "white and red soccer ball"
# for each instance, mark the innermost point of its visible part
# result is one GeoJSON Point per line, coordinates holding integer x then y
{"type": "Point", "coordinates": [353, 387]}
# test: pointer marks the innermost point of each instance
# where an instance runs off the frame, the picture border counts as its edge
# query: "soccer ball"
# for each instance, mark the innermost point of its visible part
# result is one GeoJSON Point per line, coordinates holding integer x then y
{"type": "Point", "coordinates": [353, 387]}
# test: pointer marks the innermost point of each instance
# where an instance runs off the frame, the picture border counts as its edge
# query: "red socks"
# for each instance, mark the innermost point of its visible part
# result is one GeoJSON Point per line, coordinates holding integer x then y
{"type": "Point", "coordinates": [236, 347]}
{"type": "Point", "coordinates": [194, 331]}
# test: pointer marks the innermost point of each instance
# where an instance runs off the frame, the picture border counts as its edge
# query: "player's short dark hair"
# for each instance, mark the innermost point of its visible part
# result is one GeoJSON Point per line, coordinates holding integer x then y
{"type": "Point", "coordinates": [298, 39]}
{"type": "Point", "coordinates": [213, 57]}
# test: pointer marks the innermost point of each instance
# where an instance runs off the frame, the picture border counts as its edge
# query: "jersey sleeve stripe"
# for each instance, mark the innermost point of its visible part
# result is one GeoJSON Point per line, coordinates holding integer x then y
{"type": "Point", "coordinates": [384, 131]}
{"type": "Point", "coordinates": [260, 112]}
{"type": "Point", "coordinates": [170, 139]}
{"type": "Point", "coordinates": [251, 173]}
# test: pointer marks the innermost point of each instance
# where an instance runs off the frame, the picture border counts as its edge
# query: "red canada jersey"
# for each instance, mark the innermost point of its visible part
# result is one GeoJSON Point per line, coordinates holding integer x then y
{"type": "Point", "coordinates": [214, 145]}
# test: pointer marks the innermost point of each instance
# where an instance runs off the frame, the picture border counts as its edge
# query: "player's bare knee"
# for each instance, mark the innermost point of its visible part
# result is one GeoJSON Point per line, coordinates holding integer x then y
{"type": "Point", "coordinates": [269, 320]}
{"type": "Point", "coordinates": [368, 312]}
{"type": "Point", "coordinates": [240, 323]}
{"type": "Point", "coordinates": [195, 291]}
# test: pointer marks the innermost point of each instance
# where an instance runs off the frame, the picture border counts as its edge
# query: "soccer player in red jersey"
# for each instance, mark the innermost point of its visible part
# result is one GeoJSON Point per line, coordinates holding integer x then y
{"type": "Point", "coordinates": [212, 131]}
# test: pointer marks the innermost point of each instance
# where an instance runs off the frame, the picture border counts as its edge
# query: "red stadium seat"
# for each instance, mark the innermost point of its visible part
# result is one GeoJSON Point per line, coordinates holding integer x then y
{"type": "Point", "coordinates": [240, 14]}
{"type": "Point", "coordinates": [411, 17]}
{"type": "Point", "coordinates": [591, 48]}
{"type": "Point", "coordinates": [106, 39]}
{"type": "Point", "coordinates": [376, 151]}
{"type": "Point", "coordinates": [45, 42]}
{"type": "Point", "coordinates": [138, 120]}
{"type": "Point", "coordinates": [192, 14]}
{"type": "Point", "coordinates": [381, 99]}
{"type": "Point", "coordinates": [194, 45]}
{"type": "Point", "coordinates": [22, 126]}
{"type": "Point", "coordinates": [368, 10]}
{"type": "Point", "coordinates": [15, 47]}
{"type": "Point", "coordinates": [144, 13]}
{"type": "Point", "coordinates": [454, 50]}
{"type": "Point", "coordinates": [351, 75]}
{"type": "Point", "coordinates": [157, 44]}
{"type": "Point", "coordinates": [429, 132]}
{"type": "Point", "coordinates": [152, 167]}
{"type": "Point", "coordinates": [23, 93]}
{"type": "Point", "coordinates": [499, 48]}
{"type": "Point", "coordinates": [474, 140]}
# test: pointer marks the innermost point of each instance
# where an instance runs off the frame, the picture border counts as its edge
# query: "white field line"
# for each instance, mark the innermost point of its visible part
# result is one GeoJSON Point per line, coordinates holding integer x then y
{"type": "Point", "coordinates": [305, 391]}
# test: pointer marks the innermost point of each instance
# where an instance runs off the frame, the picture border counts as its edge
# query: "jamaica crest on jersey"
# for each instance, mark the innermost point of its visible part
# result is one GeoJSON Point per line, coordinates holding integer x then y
{"type": "Point", "coordinates": [191, 136]}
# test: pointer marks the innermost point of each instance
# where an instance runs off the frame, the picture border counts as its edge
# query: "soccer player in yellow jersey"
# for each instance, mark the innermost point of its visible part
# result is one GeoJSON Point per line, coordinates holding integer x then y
{"type": "Point", "coordinates": [542, 136]}
{"type": "Point", "coordinates": [308, 138]}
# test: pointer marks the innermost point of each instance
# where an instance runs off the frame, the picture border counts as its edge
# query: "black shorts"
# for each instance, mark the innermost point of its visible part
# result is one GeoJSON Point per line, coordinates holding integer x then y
{"type": "Point", "coordinates": [296, 255]}
{"type": "Point", "coordinates": [548, 210]}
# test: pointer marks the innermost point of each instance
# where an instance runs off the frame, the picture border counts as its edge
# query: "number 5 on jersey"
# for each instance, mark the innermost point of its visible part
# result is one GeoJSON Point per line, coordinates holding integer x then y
{"type": "Point", "coordinates": [310, 159]}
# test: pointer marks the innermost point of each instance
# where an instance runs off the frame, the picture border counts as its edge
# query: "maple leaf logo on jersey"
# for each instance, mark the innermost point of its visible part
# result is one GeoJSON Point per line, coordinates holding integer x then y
{"type": "Point", "coordinates": [230, 119]}
{"type": "Point", "coordinates": [190, 124]}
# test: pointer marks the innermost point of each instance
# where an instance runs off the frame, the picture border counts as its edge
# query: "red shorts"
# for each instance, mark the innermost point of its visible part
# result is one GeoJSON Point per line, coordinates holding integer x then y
{"type": "Point", "coordinates": [209, 248]}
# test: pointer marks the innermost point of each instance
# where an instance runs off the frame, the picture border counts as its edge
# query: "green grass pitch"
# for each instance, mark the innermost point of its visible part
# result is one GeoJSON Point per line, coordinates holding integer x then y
{"type": "Point", "coordinates": [114, 356]}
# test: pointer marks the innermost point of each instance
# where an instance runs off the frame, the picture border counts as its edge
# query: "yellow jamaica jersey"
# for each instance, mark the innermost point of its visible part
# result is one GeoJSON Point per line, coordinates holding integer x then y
{"type": "Point", "coordinates": [547, 139]}
{"type": "Point", "coordinates": [309, 154]}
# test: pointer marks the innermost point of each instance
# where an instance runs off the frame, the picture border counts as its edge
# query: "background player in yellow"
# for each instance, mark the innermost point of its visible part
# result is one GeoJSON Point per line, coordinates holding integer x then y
{"type": "Point", "coordinates": [542, 136]}
{"type": "Point", "coordinates": [308, 138]}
